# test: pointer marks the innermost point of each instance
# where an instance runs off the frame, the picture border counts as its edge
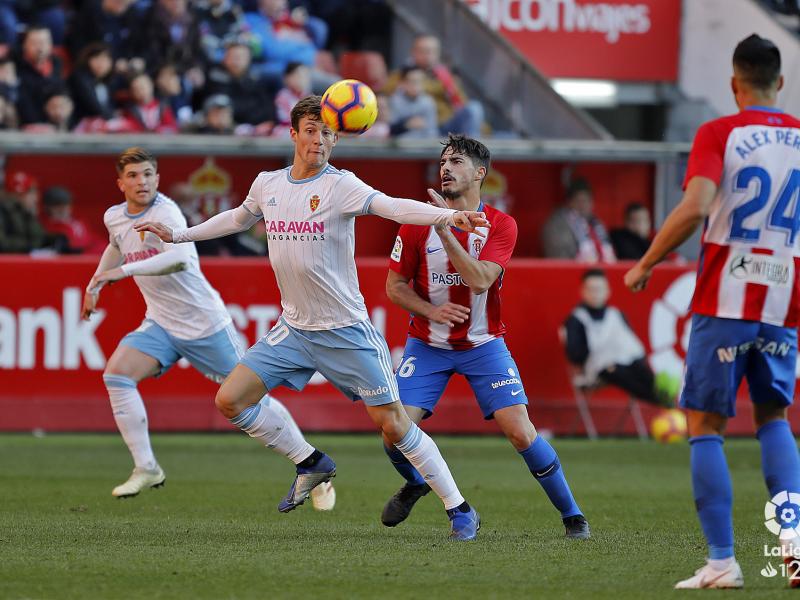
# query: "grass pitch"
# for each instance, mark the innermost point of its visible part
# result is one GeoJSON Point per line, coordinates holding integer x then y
{"type": "Point", "coordinates": [214, 531]}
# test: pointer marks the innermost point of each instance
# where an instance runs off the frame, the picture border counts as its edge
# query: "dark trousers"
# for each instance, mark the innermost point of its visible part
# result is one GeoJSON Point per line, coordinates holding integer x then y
{"type": "Point", "coordinates": [636, 378]}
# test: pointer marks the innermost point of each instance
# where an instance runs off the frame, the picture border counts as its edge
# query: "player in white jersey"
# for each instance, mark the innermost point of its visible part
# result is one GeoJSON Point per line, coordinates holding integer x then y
{"type": "Point", "coordinates": [309, 209]}
{"type": "Point", "coordinates": [185, 318]}
{"type": "Point", "coordinates": [743, 181]}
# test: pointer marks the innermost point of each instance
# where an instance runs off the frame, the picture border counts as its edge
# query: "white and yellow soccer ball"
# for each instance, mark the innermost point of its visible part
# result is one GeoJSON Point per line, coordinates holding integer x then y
{"type": "Point", "coordinates": [669, 426]}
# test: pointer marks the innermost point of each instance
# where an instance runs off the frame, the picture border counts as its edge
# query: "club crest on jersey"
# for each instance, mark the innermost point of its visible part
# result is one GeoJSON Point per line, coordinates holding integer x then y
{"type": "Point", "coordinates": [141, 235]}
{"type": "Point", "coordinates": [477, 246]}
{"type": "Point", "coordinates": [313, 202]}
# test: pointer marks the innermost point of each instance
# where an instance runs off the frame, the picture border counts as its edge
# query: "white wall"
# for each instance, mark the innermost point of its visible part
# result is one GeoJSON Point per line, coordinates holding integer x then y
{"type": "Point", "coordinates": [711, 29]}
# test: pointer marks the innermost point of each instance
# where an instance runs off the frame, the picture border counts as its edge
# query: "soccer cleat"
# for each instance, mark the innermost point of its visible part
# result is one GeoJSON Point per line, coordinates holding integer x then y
{"type": "Point", "coordinates": [707, 577]}
{"type": "Point", "coordinates": [323, 497]}
{"type": "Point", "coordinates": [139, 480]}
{"type": "Point", "coordinates": [399, 506]}
{"type": "Point", "coordinates": [305, 481]}
{"type": "Point", "coordinates": [464, 526]}
{"type": "Point", "coordinates": [577, 528]}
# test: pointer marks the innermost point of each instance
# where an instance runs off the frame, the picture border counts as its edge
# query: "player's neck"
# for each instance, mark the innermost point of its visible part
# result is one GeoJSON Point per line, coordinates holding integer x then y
{"type": "Point", "coordinates": [300, 170]}
{"type": "Point", "coordinates": [465, 202]}
{"type": "Point", "coordinates": [746, 101]}
{"type": "Point", "coordinates": [134, 208]}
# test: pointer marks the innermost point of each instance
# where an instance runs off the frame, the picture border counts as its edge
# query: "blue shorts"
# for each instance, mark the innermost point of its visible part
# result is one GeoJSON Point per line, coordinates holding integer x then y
{"type": "Point", "coordinates": [353, 359]}
{"type": "Point", "coordinates": [214, 356]}
{"type": "Point", "coordinates": [723, 351]}
{"type": "Point", "coordinates": [490, 370]}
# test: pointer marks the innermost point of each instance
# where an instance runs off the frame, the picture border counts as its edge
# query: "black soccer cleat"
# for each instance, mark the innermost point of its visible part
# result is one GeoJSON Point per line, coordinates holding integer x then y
{"type": "Point", "coordinates": [577, 528]}
{"type": "Point", "coordinates": [399, 506]}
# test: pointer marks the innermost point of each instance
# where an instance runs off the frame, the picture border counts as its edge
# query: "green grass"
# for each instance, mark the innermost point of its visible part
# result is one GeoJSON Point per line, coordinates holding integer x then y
{"type": "Point", "coordinates": [214, 531]}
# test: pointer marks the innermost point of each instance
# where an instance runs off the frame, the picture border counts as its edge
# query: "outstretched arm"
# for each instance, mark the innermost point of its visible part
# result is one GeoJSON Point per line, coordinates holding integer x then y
{"type": "Point", "coordinates": [680, 224]}
{"type": "Point", "coordinates": [418, 213]}
{"type": "Point", "coordinates": [399, 292]}
{"type": "Point", "coordinates": [110, 259]}
{"type": "Point", "coordinates": [225, 223]}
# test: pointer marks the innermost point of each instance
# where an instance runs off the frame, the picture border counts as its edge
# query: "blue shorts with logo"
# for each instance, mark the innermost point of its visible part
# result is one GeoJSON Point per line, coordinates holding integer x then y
{"type": "Point", "coordinates": [723, 351]}
{"type": "Point", "coordinates": [354, 359]}
{"type": "Point", "coordinates": [489, 368]}
{"type": "Point", "coordinates": [214, 356]}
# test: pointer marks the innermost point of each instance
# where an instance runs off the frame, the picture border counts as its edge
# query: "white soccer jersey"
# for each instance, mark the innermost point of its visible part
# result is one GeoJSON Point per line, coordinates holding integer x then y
{"type": "Point", "coordinates": [183, 303]}
{"type": "Point", "coordinates": [311, 235]}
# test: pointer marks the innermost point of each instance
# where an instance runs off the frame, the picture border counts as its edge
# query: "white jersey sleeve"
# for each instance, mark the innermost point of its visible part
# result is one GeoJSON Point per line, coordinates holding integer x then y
{"type": "Point", "coordinates": [253, 201]}
{"type": "Point", "coordinates": [353, 196]}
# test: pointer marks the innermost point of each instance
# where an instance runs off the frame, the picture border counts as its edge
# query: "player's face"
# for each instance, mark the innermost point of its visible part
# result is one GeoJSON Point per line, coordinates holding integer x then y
{"type": "Point", "coordinates": [595, 292]}
{"type": "Point", "coordinates": [314, 142]}
{"type": "Point", "coordinates": [458, 174]}
{"type": "Point", "coordinates": [139, 183]}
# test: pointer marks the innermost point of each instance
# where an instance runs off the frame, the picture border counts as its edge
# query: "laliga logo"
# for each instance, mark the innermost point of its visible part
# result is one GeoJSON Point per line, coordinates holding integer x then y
{"type": "Point", "coordinates": [783, 515]}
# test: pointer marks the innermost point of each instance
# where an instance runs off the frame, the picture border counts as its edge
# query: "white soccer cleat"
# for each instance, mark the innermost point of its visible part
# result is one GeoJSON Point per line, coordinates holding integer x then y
{"type": "Point", "coordinates": [140, 479]}
{"type": "Point", "coordinates": [708, 578]}
{"type": "Point", "coordinates": [323, 497]}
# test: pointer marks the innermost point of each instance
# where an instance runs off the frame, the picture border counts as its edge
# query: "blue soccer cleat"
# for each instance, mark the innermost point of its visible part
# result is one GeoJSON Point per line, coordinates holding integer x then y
{"type": "Point", "coordinates": [305, 481]}
{"type": "Point", "coordinates": [464, 526]}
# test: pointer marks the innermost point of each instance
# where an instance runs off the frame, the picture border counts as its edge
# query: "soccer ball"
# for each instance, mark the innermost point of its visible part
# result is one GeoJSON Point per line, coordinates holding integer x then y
{"type": "Point", "coordinates": [668, 426]}
{"type": "Point", "coordinates": [349, 106]}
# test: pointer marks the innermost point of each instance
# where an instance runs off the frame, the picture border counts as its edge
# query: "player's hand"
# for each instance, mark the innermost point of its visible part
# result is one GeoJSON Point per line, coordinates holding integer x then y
{"type": "Point", "coordinates": [161, 230]}
{"type": "Point", "coordinates": [436, 199]}
{"type": "Point", "coordinates": [89, 303]}
{"type": "Point", "coordinates": [449, 314]}
{"type": "Point", "coordinates": [466, 220]}
{"type": "Point", "coordinates": [636, 279]}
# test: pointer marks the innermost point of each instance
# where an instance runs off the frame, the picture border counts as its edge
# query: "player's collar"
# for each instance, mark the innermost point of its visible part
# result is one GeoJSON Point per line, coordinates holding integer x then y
{"type": "Point", "coordinates": [771, 109]}
{"type": "Point", "coordinates": [139, 214]}
{"type": "Point", "coordinates": [307, 179]}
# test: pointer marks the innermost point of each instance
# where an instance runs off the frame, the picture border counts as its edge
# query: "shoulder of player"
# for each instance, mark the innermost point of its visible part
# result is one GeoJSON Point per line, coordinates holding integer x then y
{"type": "Point", "coordinates": [113, 213]}
{"type": "Point", "coordinates": [414, 232]}
{"type": "Point", "coordinates": [498, 218]}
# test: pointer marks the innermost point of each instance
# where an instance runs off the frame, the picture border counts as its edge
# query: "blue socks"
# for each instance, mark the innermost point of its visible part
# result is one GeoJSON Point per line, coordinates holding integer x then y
{"type": "Point", "coordinates": [544, 465]}
{"type": "Point", "coordinates": [780, 461]}
{"type": "Point", "coordinates": [403, 466]}
{"type": "Point", "coordinates": [713, 496]}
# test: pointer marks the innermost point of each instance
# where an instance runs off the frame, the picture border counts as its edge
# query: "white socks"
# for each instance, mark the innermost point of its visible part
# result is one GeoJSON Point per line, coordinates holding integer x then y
{"type": "Point", "coordinates": [720, 564]}
{"type": "Point", "coordinates": [269, 422]}
{"type": "Point", "coordinates": [422, 452]}
{"type": "Point", "coordinates": [131, 418]}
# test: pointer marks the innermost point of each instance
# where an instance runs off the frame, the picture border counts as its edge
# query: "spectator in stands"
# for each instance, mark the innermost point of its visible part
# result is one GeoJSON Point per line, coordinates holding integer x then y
{"type": "Point", "coordinates": [632, 241]}
{"type": "Point", "coordinates": [456, 113]}
{"type": "Point", "coordinates": [59, 220]}
{"type": "Point", "coordinates": [170, 89]}
{"type": "Point", "coordinates": [217, 116]}
{"type": "Point", "coordinates": [573, 231]}
{"type": "Point", "coordinates": [171, 34]}
{"type": "Point", "coordinates": [145, 113]}
{"type": "Point", "coordinates": [282, 36]}
{"type": "Point", "coordinates": [252, 102]}
{"type": "Point", "coordinates": [220, 22]}
{"type": "Point", "coordinates": [8, 114]}
{"type": "Point", "coordinates": [413, 111]}
{"type": "Point", "coordinates": [9, 82]}
{"type": "Point", "coordinates": [602, 346]}
{"type": "Point", "coordinates": [93, 83]}
{"type": "Point", "coordinates": [8, 26]}
{"type": "Point", "coordinates": [20, 230]}
{"type": "Point", "coordinates": [381, 129]}
{"type": "Point", "coordinates": [46, 13]}
{"type": "Point", "coordinates": [39, 70]}
{"type": "Point", "coordinates": [114, 22]}
{"type": "Point", "coordinates": [296, 86]}
{"type": "Point", "coordinates": [59, 112]}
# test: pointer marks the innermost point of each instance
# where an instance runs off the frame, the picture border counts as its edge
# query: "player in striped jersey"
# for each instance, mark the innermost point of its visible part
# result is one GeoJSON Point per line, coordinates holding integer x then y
{"type": "Point", "coordinates": [185, 318]}
{"type": "Point", "coordinates": [309, 210]}
{"type": "Point", "coordinates": [743, 181]}
{"type": "Point", "coordinates": [456, 328]}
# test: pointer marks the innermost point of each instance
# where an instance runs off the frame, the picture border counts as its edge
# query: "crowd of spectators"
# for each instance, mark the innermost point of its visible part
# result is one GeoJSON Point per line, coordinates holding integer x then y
{"type": "Point", "coordinates": [166, 66]}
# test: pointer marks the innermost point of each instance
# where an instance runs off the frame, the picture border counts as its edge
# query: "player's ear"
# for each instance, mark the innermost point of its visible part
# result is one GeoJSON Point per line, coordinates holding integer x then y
{"type": "Point", "coordinates": [480, 173]}
{"type": "Point", "coordinates": [780, 83]}
{"type": "Point", "coordinates": [734, 85]}
{"type": "Point", "coordinates": [120, 186]}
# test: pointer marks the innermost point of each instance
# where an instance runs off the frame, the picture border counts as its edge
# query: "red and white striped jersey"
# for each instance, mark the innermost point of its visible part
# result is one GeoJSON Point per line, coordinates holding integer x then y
{"type": "Point", "coordinates": [750, 260]}
{"type": "Point", "coordinates": [419, 255]}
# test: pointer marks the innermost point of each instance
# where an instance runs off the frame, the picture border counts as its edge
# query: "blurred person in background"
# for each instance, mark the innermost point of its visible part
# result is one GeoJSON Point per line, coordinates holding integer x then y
{"type": "Point", "coordinates": [217, 117]}
{"type": "Point", "coordinates": [8, 114]}
{"type": "Point", "coordinates": [219, 22]}
{"type": "Point", "coordinates": [9, 82]}
{"type": "Point", "coordinates": [604, 349]}
{"type": "Point", "coordinates": [296, 86]}
{"type": "Point", "coordinates": [20, 229]}
{"type": "Point", "coordinates": [59, 220]}
{"type": "Point", "coordinates": [93, 83]}
{"type": "Point", "coordinates": [381, 128]}
{"type": "Point", "coordinates": [456, 113]}
{"type": "Point", "coordinates": [59, 113]}
{"type": "Point", "coordinates": [145, 113]}
{"type": "Point", "coordinates": [170, 89]}
{"type": "Point", "coordinates": [632, 241]}
{"type": "Point", "coordinates": [113, 22]}
{"type": "Point", "coordinates": [38, 71]}
{"type": "Point", "coordinates": [413, 110]}
{"type": "Point", "coordinates": [170, 34]}
{"type": "Point", "coordinates": [573, 232]}
{"type": "Point", "coordinates": [252, 102]}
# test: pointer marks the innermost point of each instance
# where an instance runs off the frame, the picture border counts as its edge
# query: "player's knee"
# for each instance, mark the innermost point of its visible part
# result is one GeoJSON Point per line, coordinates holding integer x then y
{"type": "Point", "coordinates": [521, 439]}
{"type": "Point", "coordinates": [226, 402]}
{"type": "Point", "coordinates": [765, 413]}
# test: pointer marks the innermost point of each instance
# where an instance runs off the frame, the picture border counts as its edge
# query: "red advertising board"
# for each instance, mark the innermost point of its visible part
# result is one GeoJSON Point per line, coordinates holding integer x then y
{"type": "Point", "coordinates": [624, 40]}
{"type": "Point", "coordinates": [51, 361]}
